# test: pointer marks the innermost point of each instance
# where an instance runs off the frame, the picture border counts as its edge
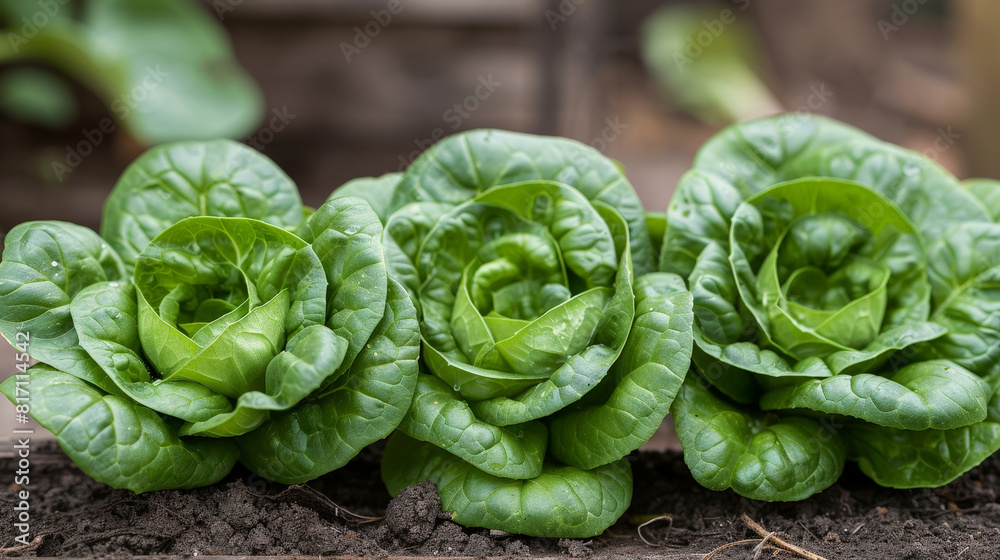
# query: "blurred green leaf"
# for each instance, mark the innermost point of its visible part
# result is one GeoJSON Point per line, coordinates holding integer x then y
{"type": "Point", "coordinates": [164, 68]}
{"type": "Point", "coordinates": [38, 97]}
{"type": "Point", "coordinates": [706, 61]}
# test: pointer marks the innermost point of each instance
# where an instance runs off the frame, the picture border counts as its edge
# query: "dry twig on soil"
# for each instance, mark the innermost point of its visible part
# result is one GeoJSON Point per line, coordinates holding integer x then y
{"type": "Point", "coordinates": [654, 520]}
{"type": "Point", "coordinates": [309, 497]}
{"type": "Point", "coordinates": [21, 548]}
{"type": "Point", "coordinates": [770, 539]}
{"type": "Point", "coordinates": [756, 528]}
{"type": "Point", "coordinates": [730, 545]}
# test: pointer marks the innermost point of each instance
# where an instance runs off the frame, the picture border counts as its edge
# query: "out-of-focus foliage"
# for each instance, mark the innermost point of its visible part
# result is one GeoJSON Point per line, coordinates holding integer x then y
{"type": "Point", "coordinates": [164, 68]}
{"type": "Point", "coordinates": [706, 60]}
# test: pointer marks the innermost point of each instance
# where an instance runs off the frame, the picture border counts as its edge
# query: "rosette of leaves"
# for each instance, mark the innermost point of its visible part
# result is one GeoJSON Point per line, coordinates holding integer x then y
{"type": "Point", "coordinates": [846, 307]}
{"type": "Point", "coordinates": [210, 322]}
{"type": "Point", "coordinates": [547, 356]}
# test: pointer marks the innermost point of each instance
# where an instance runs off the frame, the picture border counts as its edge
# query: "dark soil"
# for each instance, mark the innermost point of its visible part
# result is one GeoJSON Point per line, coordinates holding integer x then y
{"type": "Point", "coordinates": [349, 513]}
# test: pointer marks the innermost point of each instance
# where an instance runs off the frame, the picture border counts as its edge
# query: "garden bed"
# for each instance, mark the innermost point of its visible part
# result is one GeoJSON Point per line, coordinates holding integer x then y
{"type": "Point", "coordinates": [341, 514]}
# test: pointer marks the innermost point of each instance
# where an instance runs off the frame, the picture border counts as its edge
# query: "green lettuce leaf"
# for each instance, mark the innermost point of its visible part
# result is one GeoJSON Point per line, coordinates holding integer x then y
{"type": "Point", "coordinates": [727, 446]}
{"type": "Point", "coordinates": [119, 442]}
{"type": "Point", "coordinates": [562, 501]}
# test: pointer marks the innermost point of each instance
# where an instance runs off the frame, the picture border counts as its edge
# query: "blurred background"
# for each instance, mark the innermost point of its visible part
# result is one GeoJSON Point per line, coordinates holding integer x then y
{"type": "Point", "coordinates": [333, 90]}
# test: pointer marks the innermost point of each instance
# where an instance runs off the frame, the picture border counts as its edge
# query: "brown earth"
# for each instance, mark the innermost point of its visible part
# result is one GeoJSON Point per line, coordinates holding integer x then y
{"type": "Point", "coordinates": [349, 513]}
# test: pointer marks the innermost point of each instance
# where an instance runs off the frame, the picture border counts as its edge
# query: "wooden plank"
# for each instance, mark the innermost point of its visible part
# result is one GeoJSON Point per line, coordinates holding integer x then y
{"type": "Point", "coordinates": [189, 557]}
{"type": "Point", "coordinates": [457, 12]}
{"type": "Point", "coordinates": [977, 28]}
